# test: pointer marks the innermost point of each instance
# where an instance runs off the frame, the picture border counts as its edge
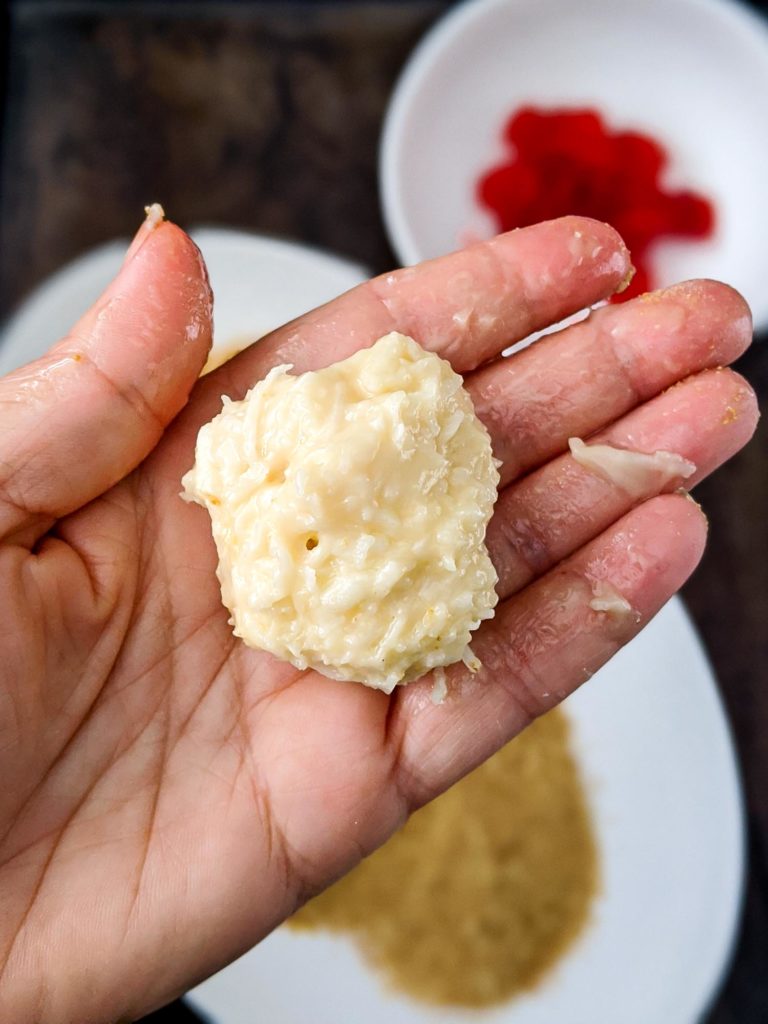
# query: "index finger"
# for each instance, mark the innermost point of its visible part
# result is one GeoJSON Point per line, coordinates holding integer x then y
{"type": "Point", "coordinates": [468, 307]}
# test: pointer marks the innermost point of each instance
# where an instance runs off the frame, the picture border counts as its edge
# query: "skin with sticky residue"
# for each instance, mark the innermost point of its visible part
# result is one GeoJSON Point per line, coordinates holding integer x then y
{"type": "Point", "coordinates": [169, 795]}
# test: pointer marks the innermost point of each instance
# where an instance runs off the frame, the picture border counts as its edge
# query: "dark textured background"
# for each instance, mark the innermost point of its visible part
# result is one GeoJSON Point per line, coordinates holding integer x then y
{"type": "Point", "coordinates": [267, 116]}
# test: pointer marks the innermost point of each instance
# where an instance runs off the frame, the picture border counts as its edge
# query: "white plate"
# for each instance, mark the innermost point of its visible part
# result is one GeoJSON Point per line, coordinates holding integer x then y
{"type": "Point", "coordinates": [693, 73]}
{"type": "Point", "coordinates": [657, 755]}
{"type": "Point", "coordinates": [259, 283]}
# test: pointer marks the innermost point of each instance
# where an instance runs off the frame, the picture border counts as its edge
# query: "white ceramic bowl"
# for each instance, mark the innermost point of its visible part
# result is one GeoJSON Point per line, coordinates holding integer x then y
{"type": "Point", "coordinates": [692, 73]}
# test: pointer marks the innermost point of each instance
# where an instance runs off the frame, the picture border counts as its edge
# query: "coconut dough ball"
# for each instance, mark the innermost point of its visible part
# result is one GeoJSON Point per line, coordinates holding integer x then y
{"type": "Point", "coordinates": [349, 507]}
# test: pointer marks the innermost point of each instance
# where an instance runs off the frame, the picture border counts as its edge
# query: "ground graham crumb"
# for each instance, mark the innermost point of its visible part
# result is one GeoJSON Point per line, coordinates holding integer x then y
{"type": "Point", "coordinates": [482, 891]}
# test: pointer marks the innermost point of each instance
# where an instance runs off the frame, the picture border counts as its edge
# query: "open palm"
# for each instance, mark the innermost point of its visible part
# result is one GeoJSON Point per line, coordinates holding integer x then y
{"type": "Point", "coordinates": [169, 796]}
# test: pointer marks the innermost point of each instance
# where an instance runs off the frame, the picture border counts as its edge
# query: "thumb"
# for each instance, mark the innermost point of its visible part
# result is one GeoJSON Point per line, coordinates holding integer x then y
{"type": "Point", "coordinates": [79, 419]}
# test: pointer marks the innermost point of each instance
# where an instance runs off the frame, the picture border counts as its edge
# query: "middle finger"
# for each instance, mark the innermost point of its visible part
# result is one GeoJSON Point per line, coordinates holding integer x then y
{"type": "Point", "coordinates": [581, 379]}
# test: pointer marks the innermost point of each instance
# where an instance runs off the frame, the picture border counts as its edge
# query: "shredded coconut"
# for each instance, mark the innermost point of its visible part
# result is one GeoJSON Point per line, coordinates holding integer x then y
{"type": "Point", "coordinates": [638, 474]}
{"type": "Point", "coordinates": [440, 687]}
{"type": "Point", "coordinates": [607, 599]}
{"type": "Point", "coordinates": [349, 507]}
{"type": "Point", "coordinates": [155, 215]}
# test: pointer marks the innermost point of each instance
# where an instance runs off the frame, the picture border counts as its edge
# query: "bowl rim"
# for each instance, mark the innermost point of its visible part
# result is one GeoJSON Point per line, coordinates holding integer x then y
{"type": "Point", "coordinates": [737, 14]}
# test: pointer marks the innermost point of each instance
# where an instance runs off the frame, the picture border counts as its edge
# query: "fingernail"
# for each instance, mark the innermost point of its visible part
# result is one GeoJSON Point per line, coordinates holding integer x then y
{"type": "Point", "coordinates": [155, 215]}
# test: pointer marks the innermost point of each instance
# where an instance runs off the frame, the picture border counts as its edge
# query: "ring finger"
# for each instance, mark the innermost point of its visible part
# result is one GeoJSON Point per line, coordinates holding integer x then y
{"type": "Point", "coordinates": [556, 509]}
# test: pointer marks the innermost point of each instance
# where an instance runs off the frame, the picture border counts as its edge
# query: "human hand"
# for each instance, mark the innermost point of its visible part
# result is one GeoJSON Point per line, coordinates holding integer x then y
{"type": "Point", "coordinates": [169, 796]}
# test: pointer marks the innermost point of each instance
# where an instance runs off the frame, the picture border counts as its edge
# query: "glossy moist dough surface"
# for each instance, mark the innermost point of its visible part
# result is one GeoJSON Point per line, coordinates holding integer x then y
{"type": "Point", "coordinates": [349, 507]}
